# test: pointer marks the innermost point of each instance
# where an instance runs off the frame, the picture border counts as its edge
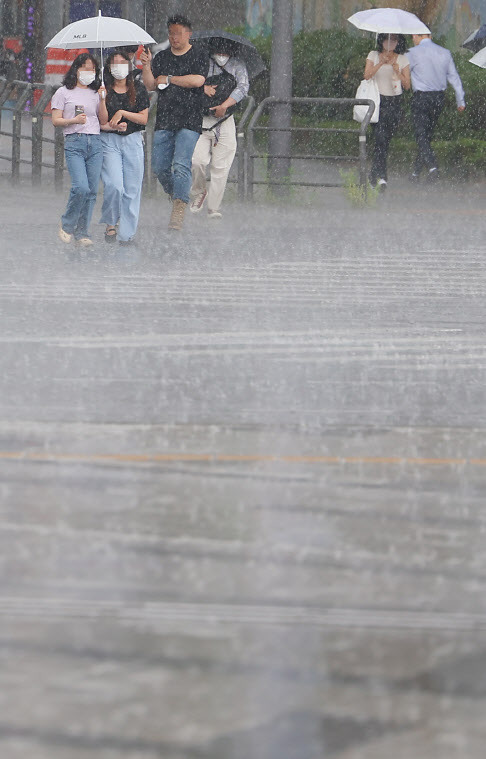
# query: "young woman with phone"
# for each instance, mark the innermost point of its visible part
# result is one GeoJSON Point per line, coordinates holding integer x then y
{"type": "Point", "coordinates": [75, 108]}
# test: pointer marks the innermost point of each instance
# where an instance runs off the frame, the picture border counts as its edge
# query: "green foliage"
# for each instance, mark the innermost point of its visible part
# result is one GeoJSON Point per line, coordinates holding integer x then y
{"type": "Point", "coordinates": [240, 30]}
{"type": "Point", "coordinates": [360, 196]}
{"type": "Point", "coordinates": [321, 63]}
{"type": "Point", "coordinates": [461, 158]}
{"type": "Point", "coordinates": [330, 63]}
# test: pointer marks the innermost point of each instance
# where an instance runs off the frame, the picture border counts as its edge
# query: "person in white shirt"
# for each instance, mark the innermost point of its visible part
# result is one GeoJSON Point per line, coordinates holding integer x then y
{"type": "Point", "coordinates": [390, 68]}
{"type": "Point", "coordinates": [226, 85]}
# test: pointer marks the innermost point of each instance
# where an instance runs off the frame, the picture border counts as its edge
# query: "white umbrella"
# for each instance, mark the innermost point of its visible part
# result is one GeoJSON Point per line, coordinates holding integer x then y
{"type": "Point", "coordinates": [479, 59]}
{"type": "Point", "coordinates": [388, 21]}
{"type": "Point", "coordinates": [100, 31]}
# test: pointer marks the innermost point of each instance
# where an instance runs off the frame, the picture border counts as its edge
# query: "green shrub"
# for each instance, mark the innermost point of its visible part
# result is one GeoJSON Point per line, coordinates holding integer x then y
{"type": "Point", "coordinates": [330, 63]}
{"type": "Point", "coordinates": [358, 195]}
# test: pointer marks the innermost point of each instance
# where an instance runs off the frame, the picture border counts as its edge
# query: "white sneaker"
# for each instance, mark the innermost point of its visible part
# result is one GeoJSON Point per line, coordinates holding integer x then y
{"type": "Point", "coordinates": [65, 236]}
{"type": "Point", "coordinates": [214, 215]}
{"type": "Point", "coordinates": [85, 242]}
{"type": "Point", "coordinates": [198, 202]}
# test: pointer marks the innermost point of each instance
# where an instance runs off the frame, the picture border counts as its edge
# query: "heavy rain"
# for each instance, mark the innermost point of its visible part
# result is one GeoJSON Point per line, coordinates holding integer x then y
{"type": "Point", "coordinates": [243, 463]}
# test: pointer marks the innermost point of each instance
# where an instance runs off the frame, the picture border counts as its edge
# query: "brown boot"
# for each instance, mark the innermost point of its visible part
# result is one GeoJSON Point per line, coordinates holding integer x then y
{"type": "Point", "coordinates": [177, 215]}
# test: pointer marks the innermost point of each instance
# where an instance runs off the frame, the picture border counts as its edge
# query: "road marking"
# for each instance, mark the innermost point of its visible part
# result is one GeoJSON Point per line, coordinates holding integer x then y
{"type": "Point", "coordinates": [155, 458]}
{"type": "Point", "coordinates": [264, 614]}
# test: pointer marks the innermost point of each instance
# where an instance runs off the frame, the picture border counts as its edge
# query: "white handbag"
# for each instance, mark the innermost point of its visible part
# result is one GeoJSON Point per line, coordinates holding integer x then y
{"type": "Point", "coordinates": [367, 90]}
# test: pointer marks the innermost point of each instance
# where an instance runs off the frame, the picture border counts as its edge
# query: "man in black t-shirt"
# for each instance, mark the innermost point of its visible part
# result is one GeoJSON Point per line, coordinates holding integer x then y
{"type": "Point", "coordinates": [178, 74]}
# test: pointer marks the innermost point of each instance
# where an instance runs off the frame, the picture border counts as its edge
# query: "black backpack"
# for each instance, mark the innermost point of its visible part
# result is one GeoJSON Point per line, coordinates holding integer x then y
{"type": "Point", "coordinates": [226, 83]}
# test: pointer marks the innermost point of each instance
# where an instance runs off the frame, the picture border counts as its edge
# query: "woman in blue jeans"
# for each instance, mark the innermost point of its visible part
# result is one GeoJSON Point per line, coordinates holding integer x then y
{"type": "Point", "coordinates": [75, 108]}
{"type": "Point", "coordinates": [123, 116]}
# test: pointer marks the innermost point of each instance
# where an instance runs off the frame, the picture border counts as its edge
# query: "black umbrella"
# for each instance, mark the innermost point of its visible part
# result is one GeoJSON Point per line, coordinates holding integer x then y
{"type": "Point", "coordinates": [244, 49]}
{"type": "Point", "coordinates": [477, 40]}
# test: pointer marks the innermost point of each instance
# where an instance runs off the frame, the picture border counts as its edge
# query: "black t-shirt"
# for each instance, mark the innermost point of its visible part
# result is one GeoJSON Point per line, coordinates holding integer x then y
{"type": "Point", "coordinates": [180, 107]}
{"type": "Point", "coordinates": [116, 102]}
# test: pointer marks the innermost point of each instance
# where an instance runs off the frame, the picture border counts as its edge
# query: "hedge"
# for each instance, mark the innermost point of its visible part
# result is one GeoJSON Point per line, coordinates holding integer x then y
{"type": "Point", "coordinates": [330, 63]}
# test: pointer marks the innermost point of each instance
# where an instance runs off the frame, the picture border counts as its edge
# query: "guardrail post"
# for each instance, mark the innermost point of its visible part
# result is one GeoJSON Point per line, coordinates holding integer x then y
{"type": "Point", "coordinates": [148, 176]}
{"type": "Point", "coordinates": [240, 142]}
{"type": "Point", "coordinates": [58, 158]}
{"type": "Point", "coordinates": [17, 129]}
{"type": "Point", "coordinates": [271, 101]}
{"type": "Point", "coordinates": [363, 179]}
{"type": "Point", "coordinates": [241, 149]}
{"type": "Point", "coordinates": [38, 130]}
{"type": "Point", "coordinates": [362, 160]}
{"type": "Point", "coordinates": [4, 96]}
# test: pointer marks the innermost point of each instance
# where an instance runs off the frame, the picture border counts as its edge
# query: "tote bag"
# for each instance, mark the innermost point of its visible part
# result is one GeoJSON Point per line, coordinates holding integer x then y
{"type": "Point", "coordinates": [367, 90]}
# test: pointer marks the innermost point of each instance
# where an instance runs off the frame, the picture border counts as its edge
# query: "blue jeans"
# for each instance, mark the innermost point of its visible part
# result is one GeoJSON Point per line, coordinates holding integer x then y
{"type": "Point", "coordinates": [84, 156]}
{"type": "Point", "coordinates": [172, 161]}
{"type": "Point", "coordinates": [122, 176]}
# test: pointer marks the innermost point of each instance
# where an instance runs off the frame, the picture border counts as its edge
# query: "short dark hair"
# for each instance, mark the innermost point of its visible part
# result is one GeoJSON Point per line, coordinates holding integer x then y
{"type": "Point", "coordinates": [71, 79]}
{"type": "Point", "coordinates": [401, 45]}
{"type": "Point", "coordinates": [179, 19]}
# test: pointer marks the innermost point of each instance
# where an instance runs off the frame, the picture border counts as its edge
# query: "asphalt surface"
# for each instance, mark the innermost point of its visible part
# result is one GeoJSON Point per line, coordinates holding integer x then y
{"type": "Point", "coordinates": [242, 478]}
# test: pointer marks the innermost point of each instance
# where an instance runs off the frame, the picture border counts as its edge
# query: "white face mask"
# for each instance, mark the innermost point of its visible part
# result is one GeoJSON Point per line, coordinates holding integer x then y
{"type": "Point", "coordinates": [221, 60]}
{"type": "Point", "coordinates": [86, 77]}
{"type": "Point", "coordinates": [119, 70]}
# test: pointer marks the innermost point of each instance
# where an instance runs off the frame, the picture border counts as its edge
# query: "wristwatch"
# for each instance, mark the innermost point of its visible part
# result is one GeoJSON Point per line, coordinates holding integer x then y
{"type": "Point", "coordinates": [169, 77]}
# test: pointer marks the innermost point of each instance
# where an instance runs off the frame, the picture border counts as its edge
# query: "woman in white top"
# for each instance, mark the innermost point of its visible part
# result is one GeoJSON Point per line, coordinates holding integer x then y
{"type": "Point", "coordinates": [390, 68]}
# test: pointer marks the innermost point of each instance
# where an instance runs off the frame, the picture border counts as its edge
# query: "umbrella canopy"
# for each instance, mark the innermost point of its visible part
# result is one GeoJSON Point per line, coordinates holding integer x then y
{"type": "Point", "coordinates": [100, 31]}
{"type": "Point", "coordinates": [245, 50]}
{"type": "Point", "coordinates": [388, 21]}
{"type": "Point", "coordinates": [476, 40]}
{"type": "Point", "coordinates": [479, 59]}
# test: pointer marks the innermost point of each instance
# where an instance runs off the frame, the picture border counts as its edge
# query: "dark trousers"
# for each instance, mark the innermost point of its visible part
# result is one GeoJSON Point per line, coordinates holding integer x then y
{"type": "Point", "coordinates": [383, 131]}
{"type": "Point", "coordinates": [426, 109]}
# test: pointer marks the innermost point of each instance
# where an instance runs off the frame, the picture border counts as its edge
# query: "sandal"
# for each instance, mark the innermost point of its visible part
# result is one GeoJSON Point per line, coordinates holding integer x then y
{"type": "Point", "coordinates": [110, 233]}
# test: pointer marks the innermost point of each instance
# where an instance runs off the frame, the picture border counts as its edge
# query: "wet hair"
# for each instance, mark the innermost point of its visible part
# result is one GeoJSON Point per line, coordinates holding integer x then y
{"type": "Point", "coordinates": [221, 45]}
{"type": "Point", "coordinates": [127, 49]}
{"type": "Point", "coordinates": [110, 79]}
{"type": "Point", "coordinates": [400, 47]}
{"type": "Point", "coordinates": [71, 79]}
{"type": "Point", "coordinates": [179, 19]}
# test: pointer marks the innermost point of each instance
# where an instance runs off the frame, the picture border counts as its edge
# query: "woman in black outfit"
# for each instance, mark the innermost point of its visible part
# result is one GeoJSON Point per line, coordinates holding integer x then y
{"type": "Point", "coordinates": [123, 116]}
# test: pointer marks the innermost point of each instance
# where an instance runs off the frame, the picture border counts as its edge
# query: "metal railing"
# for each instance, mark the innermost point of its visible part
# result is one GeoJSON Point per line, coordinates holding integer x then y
{"type": "Point", "coordinates": [25, 107]}
{"type": "Point", "coordinates": [254, 126]}
{"type": "Point", "coordinates": [150, 180]}
{"type": "Point", "coordinates": [241, 147]}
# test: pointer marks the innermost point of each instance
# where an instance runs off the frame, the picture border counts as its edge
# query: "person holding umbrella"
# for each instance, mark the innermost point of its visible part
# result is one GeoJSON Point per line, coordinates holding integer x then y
{"type": "Point", "coordinates": [75, 108]}
{"type": "Point", "coordinates": [391, 70]}
{"type": "Point", "coordinates": [227, 84]}
{"type": "Point", "coordinates": [178, 74]}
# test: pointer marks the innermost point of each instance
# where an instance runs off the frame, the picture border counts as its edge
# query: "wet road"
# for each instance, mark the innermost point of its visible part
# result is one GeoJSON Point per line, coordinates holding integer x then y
{"type": "Point", "coordinates": [242, 483]}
